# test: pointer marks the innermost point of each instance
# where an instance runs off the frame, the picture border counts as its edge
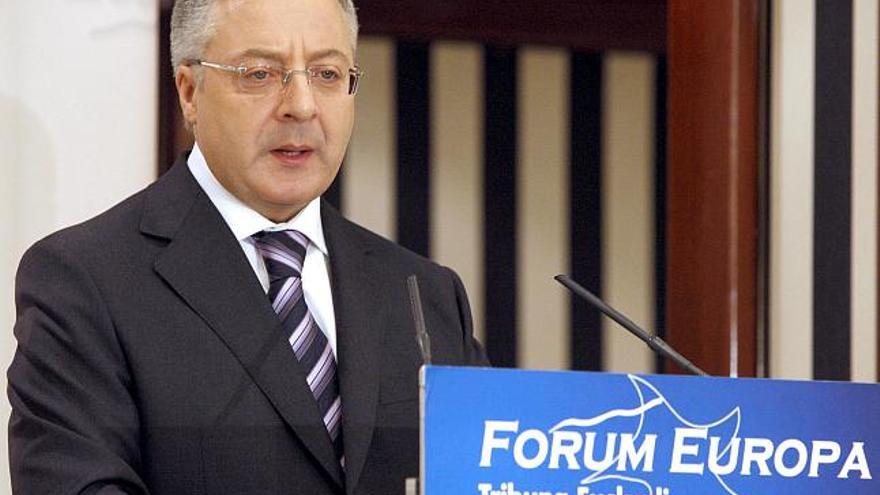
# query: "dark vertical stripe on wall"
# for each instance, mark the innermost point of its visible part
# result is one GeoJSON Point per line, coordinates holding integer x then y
{"type": "Point", "coordinates": [585, 196]}
{"type": "Point", "coordinates": [500, 205]}
{"type": "Point", "coordinates": [833, 174]}
{"type": "Point", "coordinates": [413, 148]}
{"type": "Point", "coordinates": [660, 202]}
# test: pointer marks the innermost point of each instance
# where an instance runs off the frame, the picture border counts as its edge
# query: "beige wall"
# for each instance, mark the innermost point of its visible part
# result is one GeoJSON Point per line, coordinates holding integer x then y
{"type": "Point", "coordinates": [59, 167]}
{"type": "Point", "coordinates": [542, 207]}
{"type": "Point", "coordinates": [542, 190]}
{"type": "Point", "coordinates": [792, 202]}
{"type": "Point", "coordinates": [75, 136]}
{"type": "Point", "coordinates": [628, 206]}
{"type": "Point", "coordinates": [457, 171]}
{"type": "Point", "coordinates": [791, 236]}
{"type": "Point", "coordinates": [369, 178]}
{"type": "Point", "coordinates": [864, 199]}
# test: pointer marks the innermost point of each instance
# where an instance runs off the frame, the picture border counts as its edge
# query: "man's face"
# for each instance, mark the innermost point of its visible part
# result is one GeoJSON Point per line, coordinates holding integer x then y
{"type": "Point", "coordinates": [279, 151]}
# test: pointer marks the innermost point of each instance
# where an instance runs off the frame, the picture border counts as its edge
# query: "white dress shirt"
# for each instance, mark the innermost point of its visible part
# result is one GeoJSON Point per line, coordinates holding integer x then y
{"type": "Point", "coordinates": [244, 222]}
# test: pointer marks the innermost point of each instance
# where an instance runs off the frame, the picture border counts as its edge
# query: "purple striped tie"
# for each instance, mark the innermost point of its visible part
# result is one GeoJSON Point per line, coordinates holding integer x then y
{"type": "Point", "coordinates": [284, 253]}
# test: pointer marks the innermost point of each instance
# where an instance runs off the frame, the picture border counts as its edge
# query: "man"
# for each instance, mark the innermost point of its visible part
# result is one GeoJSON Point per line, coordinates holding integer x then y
{"type": "Point", "coordinates": [223, 331]}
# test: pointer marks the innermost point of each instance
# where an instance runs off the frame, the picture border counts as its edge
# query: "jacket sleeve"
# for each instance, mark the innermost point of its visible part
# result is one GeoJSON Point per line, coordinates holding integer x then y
{"type": "Point", "coordinates": [74, 422]}
{"type": "Point", "coordinates": [472, 351]}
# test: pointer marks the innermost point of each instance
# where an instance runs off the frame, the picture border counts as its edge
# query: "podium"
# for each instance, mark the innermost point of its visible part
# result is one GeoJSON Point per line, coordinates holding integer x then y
{"type": "Point", "coordinates": [515, 432]}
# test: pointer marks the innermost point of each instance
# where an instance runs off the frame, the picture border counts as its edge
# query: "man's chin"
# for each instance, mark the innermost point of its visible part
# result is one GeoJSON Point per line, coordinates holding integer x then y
{"type": "Point", "coordinates": [282, 206]}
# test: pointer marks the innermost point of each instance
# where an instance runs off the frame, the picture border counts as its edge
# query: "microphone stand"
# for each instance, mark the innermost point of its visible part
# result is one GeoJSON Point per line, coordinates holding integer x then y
{"type": "Point", "coordinates": [656, 344]}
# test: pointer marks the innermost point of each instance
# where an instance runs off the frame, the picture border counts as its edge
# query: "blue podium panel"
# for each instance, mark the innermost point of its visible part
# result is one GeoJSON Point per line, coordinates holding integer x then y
{"type": "Point", "coordinates": [514, 432]}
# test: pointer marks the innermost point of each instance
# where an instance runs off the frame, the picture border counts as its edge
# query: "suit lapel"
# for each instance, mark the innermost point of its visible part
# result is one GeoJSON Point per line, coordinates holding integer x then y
{"type": "Point", "coordinates": [355, 277]}
{"type": "Point", "coordinates": [205, 266]}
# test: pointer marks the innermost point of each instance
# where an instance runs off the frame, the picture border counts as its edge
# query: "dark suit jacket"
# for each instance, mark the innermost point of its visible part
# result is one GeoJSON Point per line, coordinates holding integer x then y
{"type": "Point", "coordinates": [149, 359]}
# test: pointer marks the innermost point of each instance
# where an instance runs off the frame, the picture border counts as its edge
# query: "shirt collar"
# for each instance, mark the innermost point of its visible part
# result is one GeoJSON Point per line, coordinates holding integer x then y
{"type": "Point", "coordinates": [245, 221]}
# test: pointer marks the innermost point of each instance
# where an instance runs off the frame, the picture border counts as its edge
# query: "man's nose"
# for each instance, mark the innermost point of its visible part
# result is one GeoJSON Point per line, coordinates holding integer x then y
{"type": "Point", "coordinates": [297, 101]}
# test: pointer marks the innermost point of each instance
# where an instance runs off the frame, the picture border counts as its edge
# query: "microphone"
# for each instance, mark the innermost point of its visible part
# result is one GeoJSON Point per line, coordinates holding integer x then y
{"type": "Point", "coordinates": [656, 344]}
{"type": "Point", "coordinates": [415, 304]}
{"type": "Point", "coordinates": [411, 485]}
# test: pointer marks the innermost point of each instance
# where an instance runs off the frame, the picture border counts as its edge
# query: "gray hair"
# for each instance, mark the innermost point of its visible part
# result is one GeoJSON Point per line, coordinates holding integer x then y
{"type": "Point", "coordinates": [193, 23]}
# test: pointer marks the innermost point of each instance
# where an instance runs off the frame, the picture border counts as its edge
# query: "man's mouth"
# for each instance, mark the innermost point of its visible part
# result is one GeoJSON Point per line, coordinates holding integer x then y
{"type": "Point", "coordinates": [292, 154]}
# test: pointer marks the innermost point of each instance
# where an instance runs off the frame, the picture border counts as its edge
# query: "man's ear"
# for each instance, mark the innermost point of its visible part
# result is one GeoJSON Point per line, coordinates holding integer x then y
{"type": "Point", "coordinates": [186, 83]}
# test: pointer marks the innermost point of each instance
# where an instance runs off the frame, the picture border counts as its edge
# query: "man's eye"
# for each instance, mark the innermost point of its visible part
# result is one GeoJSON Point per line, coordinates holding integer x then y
{"type": "Point", "coordinates": [259, 75]}
{"type": "Point", "coordinates": [328, 75]}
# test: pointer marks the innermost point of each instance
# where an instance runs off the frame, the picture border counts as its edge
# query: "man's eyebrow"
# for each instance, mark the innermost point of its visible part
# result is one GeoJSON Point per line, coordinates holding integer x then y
{"type": "Point", "coordinates": [280, 58]}
{"type": "Point", "coordinates": [261, 53]}
{"type": "Point", "coordinates": [329, 53]}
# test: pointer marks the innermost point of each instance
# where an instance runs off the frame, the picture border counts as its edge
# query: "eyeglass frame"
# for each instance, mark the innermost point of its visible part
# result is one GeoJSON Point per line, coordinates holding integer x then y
{"type": "Point", "coordinates": [354, 73]}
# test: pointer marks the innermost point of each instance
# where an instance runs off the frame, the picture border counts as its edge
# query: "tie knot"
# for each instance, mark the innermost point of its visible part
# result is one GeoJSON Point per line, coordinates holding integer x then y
{"type": "Point", "coordinates": [282, 251]}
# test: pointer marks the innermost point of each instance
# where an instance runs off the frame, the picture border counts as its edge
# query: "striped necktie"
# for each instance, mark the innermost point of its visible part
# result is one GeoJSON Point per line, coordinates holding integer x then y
{"type": "Point", "coordinates": [284, 253]}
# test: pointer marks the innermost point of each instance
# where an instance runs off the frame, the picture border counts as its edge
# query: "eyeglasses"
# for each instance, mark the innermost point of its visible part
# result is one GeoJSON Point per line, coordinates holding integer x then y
{"type": "Point", "coordinates": [262, 80]}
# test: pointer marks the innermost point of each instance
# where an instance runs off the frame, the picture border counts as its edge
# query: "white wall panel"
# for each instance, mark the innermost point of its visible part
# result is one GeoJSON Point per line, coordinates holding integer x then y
{"type": "Point", "coordinates": [628, 206]}
{"type": "Point", "coordinates": [542, 202]}
{"type": "Point", "coordinates": [457, 166]}
{"type": "Point", "coordinates": [78, 99]}
{"type": "Point", "coordinates": [791, 176]}
{"type": "Point", "coordinates": [864, 221]}
{"type": "Point", "coordinates": [369, 178]}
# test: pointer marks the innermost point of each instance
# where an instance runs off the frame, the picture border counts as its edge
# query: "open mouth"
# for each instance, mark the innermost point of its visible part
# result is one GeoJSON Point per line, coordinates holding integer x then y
{"type": "Point", "coordinates": [292, 155]}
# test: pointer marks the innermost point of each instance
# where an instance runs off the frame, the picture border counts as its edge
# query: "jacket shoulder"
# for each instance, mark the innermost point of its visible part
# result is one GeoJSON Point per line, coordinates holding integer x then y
{"type": "Point", "coordinates": [343, 230]}
{"type": "Point", "coordinates": [125, 222]}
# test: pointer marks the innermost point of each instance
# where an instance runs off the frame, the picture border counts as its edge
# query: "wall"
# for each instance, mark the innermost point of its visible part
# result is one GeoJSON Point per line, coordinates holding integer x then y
{"type": "Point", "coordinates": [460, 227]}
{"type": "Point", "coordinates": [824, 227]}
{"type": "Point", "coordinates": [77, 127]}
{"type": "Point", "coordinates": [77, 133]}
